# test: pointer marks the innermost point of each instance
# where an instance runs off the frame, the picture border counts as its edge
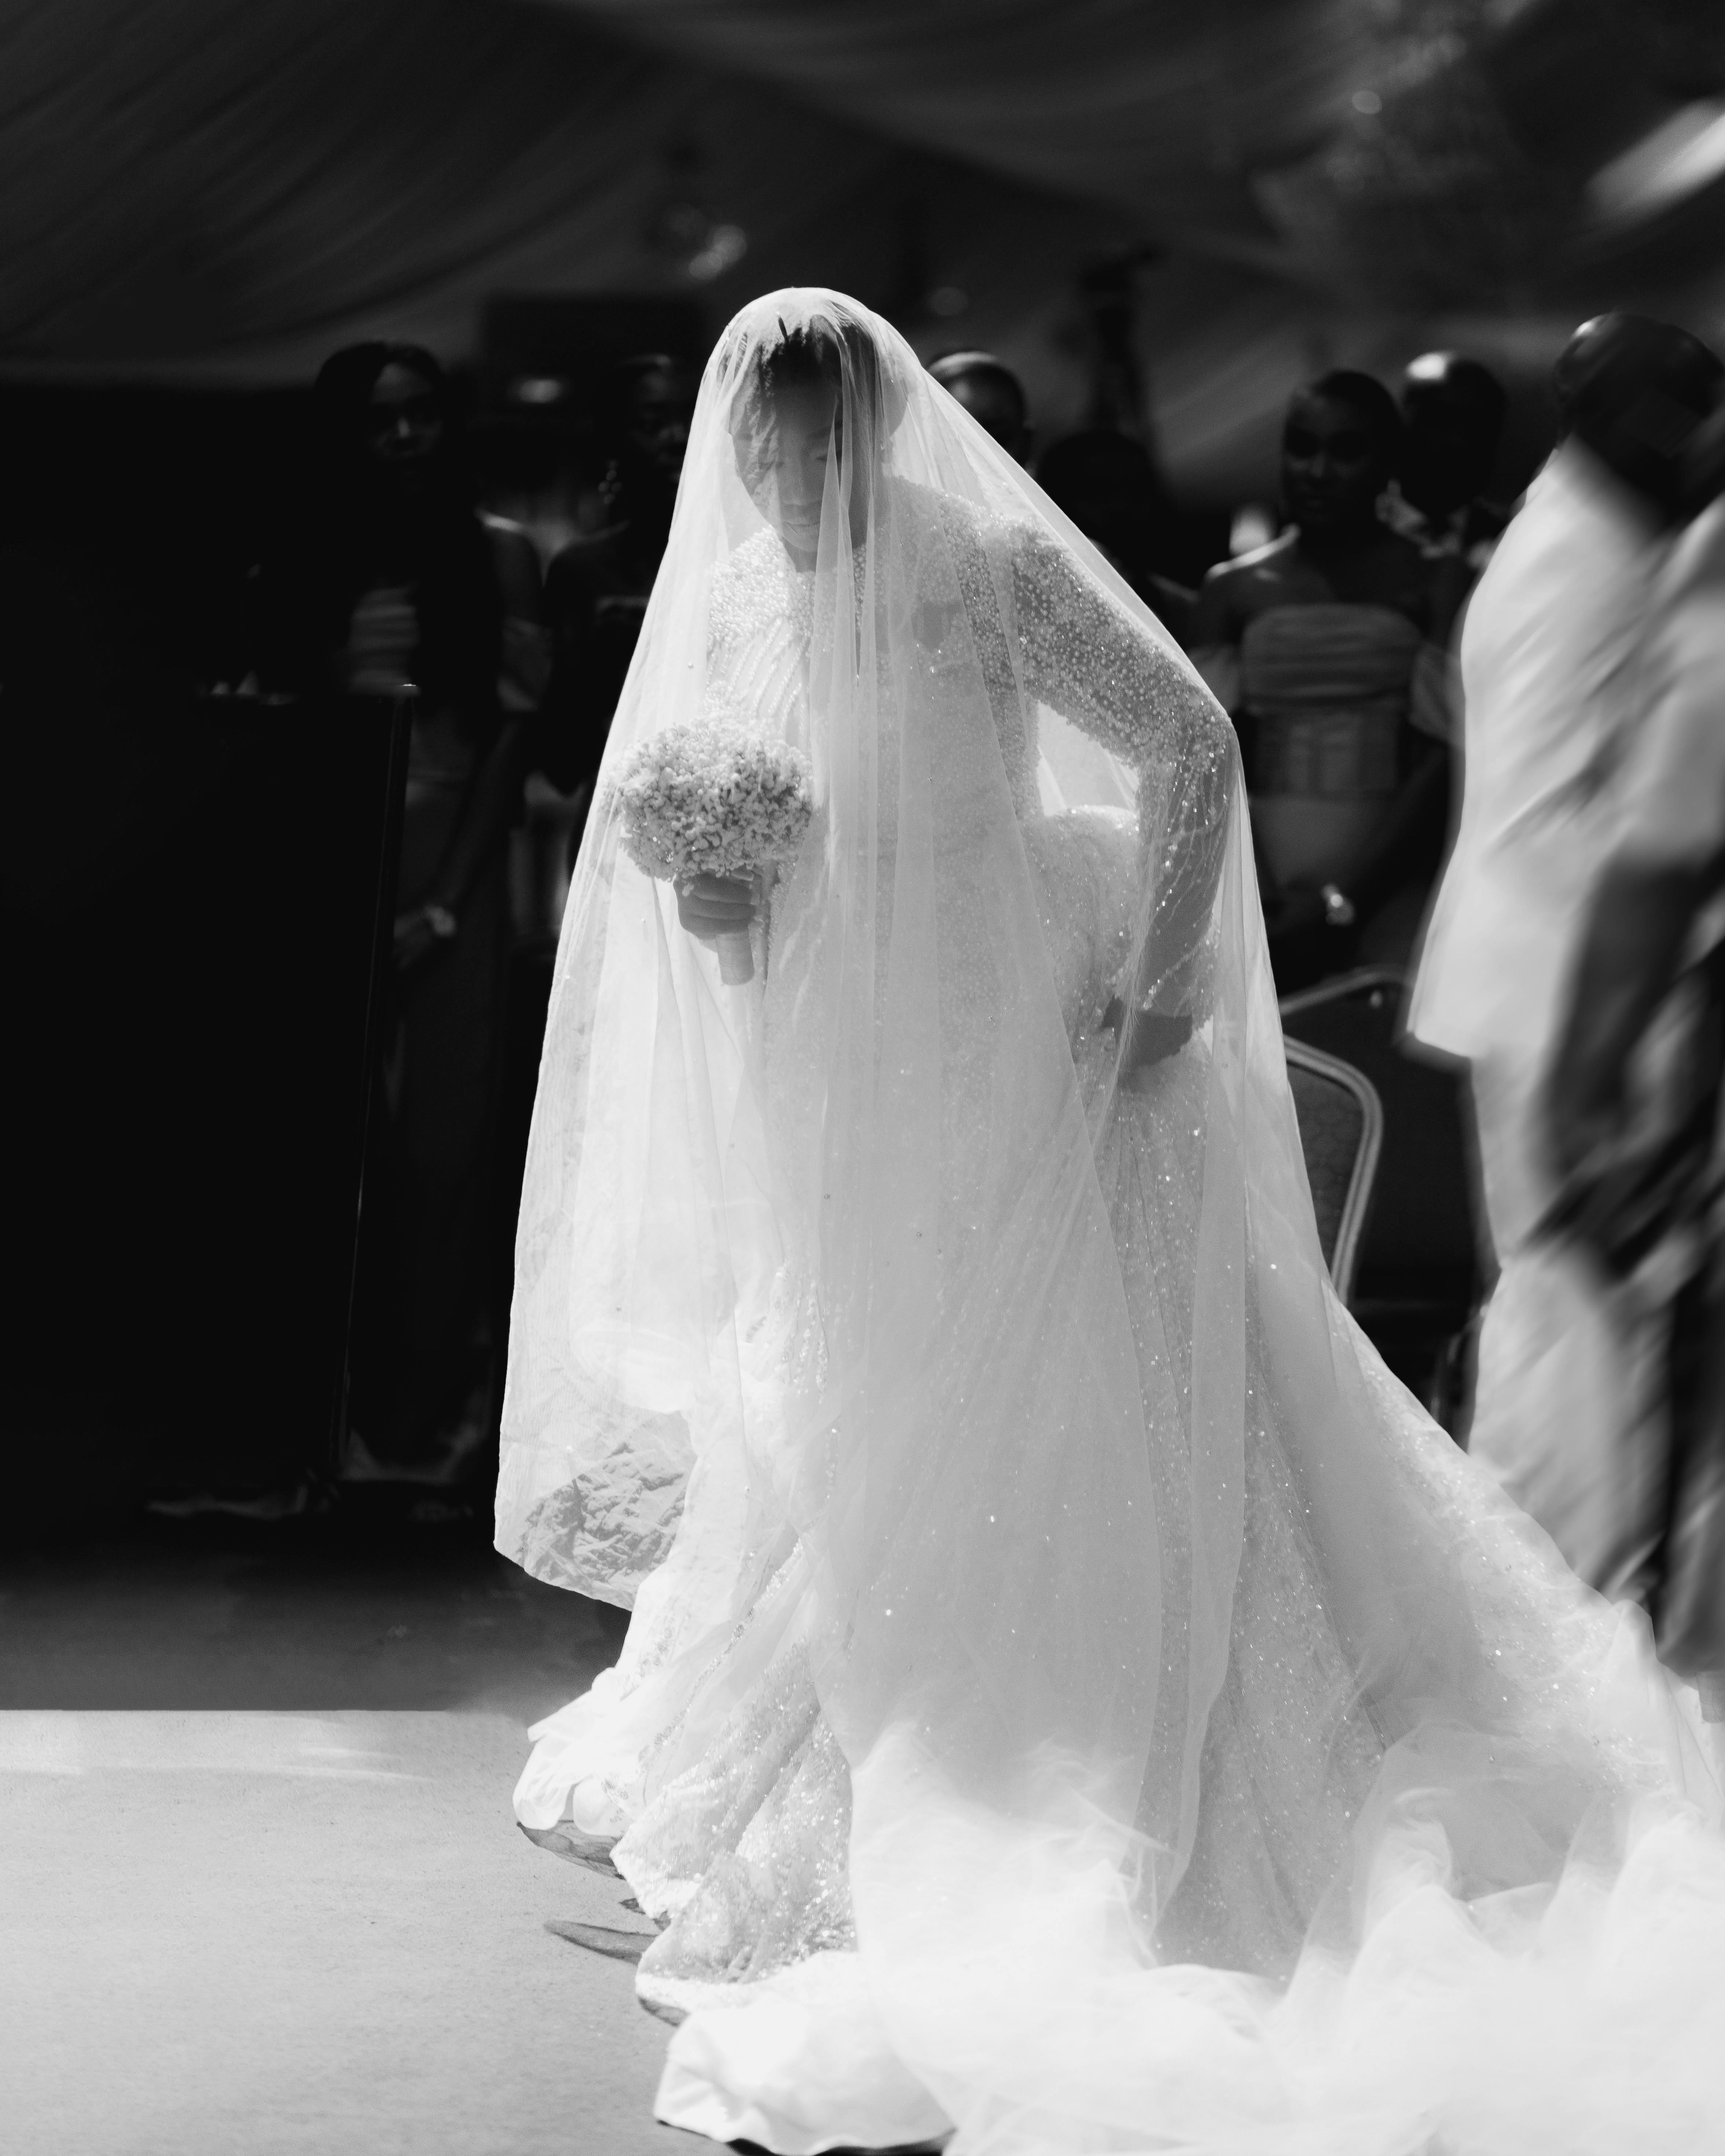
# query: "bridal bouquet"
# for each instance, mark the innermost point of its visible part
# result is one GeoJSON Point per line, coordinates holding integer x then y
{"type": "Point", "coordinates": [703, 799]}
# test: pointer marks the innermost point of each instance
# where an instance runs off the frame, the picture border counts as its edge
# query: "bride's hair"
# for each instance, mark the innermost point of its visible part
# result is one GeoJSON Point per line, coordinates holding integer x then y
{"type": "Point", "coordinates": [812, 356]}
{"type": "Point", "coordinates": [834, 352]}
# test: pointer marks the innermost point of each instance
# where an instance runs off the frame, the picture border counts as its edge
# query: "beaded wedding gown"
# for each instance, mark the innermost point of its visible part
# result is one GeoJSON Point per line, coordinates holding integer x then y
{"type": "Point", "coordinates": [1075, 1700]}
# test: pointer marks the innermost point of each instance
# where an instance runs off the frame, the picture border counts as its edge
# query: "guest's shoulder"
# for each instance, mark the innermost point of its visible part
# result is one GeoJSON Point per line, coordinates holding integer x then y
{"type": "Point", "coordinates": [1234, 590]}
{"type": "Point", "coordinates": [515, 561]}
{"type": "Point", "coordinates": [573, 560]}
{"type": "Point", "coordinates": [1269, 563]}
{"type": "Point", "coordinates": [507, 540]}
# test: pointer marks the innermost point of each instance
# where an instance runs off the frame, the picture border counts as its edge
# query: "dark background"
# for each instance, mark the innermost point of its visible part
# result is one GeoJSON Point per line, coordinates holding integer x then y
{"type": "Point", "coordinates": [189, 890]}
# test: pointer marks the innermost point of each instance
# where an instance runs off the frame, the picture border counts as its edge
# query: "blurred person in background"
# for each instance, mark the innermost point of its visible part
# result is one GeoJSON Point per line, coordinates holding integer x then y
{"type": "Point", "coordinates": [1452, 422]}
{"type": "Point", "coordinates": [1107, 484]}
{"type": "Point", "coordinates": [530, 469]}
{"type": "Point", "coordinates": [392, 584]}
{"type": "Point", "coordinates": [1633, 1098]}
{"type": "Point", "coordinates": [993, 395]}
{"type": "Point", "coordinates": [597, 587]}
{"type": "Point", "coordinates": [1326, 646]}
{"type": "Point", "coordinates": [1552, 654]}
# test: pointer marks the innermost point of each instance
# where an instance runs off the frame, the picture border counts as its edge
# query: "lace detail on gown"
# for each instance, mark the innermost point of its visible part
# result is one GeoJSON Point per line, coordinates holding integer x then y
{"type": "Point", "coordinates": [745, 1853]}
{"type": "Point", "coordinates": [1290, 1754]}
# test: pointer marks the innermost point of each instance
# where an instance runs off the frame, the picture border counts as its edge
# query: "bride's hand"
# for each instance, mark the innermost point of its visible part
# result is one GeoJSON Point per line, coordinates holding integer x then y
{"type": "Point", "coordinates": [709, 905]}
{"type": "Point", "coordinates": [1154, 1037]}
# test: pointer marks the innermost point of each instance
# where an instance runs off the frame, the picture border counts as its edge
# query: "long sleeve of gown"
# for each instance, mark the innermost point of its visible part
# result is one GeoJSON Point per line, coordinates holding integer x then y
{"type": "Point", "coordinates": [1091, 660]}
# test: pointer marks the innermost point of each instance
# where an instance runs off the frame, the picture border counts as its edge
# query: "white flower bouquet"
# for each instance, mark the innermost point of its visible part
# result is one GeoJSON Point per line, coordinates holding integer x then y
{"type": "Point", "coordinates": [704, 799]}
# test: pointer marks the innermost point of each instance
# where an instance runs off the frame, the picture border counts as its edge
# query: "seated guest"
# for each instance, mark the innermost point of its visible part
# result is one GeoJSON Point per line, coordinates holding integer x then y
{"type": "Point", "coordinates": [392, 583]}
{"type": "Point", "coordinates": [1325, 645]}
{"type": "Point", "coordinates": [597, 587]}
{"type": "Point", "coordinates": [993, 395]}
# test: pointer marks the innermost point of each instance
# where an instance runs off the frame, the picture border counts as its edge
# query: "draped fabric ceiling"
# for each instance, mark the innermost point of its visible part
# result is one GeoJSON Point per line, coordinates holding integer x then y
{"type": "Point", "coordinates": [222, 190]}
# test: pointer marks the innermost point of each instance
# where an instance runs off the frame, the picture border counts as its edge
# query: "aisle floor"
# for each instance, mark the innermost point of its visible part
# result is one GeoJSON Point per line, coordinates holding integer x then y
{"type": "Point", "coordinates": [260, 1890]}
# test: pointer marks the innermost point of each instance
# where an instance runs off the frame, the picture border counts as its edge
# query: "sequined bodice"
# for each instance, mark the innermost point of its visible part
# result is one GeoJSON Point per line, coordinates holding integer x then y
{"type": "Point", "coordinates": [984, 598]}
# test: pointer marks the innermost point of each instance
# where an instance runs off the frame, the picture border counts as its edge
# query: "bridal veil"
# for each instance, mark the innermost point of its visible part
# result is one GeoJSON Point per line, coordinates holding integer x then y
{"type": "Point", "coordinates": [901, 1300]}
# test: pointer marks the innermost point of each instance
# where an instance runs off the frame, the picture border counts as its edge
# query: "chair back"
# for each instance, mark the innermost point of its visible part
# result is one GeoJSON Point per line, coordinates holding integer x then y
{"type": "Point", "coordinates": [1422, 1231]}
{"type": "Point", "coordinates": [1342, 1136]}
{"type": "Point", "coordinates": [1417, 1277]}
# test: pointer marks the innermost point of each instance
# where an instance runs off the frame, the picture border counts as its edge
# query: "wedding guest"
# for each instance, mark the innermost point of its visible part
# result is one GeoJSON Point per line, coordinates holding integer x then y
{"type": "Point", "coordinates": [1326, 647]}
{"type": "Point", "coordinates": [1551, 654]}
{"type": "Point", "coordinates": [597, 587]}
{"type": "Point", "coordinates": [1452, 422]}
{"type": "Point", "coordinates": [992, 394]}
{"type": "Point", "coordinates": [392, 583]}
{"type": "Point", "coordinates": [1632, 1105]}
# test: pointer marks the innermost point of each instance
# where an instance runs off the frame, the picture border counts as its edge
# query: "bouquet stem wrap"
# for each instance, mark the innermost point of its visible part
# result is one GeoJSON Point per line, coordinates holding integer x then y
{"type": "Point", "coordinates": [737, 958]}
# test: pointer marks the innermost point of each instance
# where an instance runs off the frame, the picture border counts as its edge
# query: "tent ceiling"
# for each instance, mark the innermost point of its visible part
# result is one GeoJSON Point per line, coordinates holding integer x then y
{"type": "Point", "coordinates": [1164, 109]}
{"type": "Point", "coordinates": [193, 188]}
{"type": "Point", "coordinates": [199, 189]}
{"type": "Point", "coordinates": [1419, 152]}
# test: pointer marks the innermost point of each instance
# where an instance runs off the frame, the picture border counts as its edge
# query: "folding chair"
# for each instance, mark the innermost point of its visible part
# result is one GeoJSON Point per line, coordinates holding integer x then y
{"type": "Point", "coordinates": [1341, 1136]}
{"type": "Point", "coordinates": [1418, 1280]}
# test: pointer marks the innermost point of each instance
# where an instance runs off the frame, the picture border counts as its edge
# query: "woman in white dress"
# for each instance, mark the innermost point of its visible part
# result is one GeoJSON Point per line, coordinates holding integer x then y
{"type": "Point", "coordinates": [1073, 1694]}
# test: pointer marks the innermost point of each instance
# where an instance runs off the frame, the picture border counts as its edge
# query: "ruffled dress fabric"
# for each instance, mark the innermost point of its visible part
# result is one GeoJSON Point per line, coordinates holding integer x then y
{"type": "Point", "coordinates": [1075, 1700]}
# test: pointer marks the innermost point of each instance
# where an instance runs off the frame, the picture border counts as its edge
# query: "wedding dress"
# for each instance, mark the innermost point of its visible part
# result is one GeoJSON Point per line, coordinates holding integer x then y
{"type": "Point", "coordinates": [1074, 1697]}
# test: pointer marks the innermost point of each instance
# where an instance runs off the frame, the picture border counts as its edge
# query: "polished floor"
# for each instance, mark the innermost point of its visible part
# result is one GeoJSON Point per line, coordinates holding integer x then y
{"type": "Point", "coordinates": [260, 1890]}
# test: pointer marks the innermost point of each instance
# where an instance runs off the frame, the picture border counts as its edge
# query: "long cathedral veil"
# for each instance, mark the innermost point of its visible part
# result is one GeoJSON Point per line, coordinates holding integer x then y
{"type": "Point", "coordinates": [894, 1290]}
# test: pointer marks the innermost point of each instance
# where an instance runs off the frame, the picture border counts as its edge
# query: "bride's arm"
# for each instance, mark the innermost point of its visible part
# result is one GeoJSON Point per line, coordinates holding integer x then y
{"type": "Point", "coordinates": [1098, 666]}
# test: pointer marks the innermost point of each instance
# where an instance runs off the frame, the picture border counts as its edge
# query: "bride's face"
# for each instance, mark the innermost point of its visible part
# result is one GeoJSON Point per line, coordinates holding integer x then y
{"type": "Point", "coordinates": [784, 445]}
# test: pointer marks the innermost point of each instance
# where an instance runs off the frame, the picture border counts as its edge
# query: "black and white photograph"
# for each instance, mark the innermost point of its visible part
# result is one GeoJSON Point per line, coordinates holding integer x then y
{"type": "Point", "coordinates": [864, 903]}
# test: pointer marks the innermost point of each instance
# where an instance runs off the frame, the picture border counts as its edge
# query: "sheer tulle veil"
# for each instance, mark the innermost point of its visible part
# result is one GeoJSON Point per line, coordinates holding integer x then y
{"type": "Point", "coordinates": [895, 1299]}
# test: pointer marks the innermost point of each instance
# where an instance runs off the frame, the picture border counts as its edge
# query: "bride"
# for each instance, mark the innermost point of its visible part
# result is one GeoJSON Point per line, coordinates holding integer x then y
{"type": "Point", "coordinates": [1073, 1694]}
